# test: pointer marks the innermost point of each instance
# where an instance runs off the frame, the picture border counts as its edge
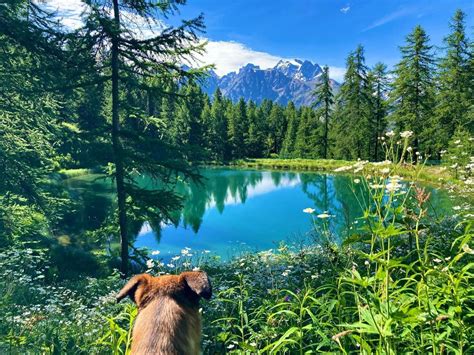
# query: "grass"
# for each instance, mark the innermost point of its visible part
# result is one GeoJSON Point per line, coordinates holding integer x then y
{"type": "Point", "coordinates": [437, 175]}
{"type": "Point", "coordinates": [72, 173]}
{"type": "Point", "coordinates": [401, 283]}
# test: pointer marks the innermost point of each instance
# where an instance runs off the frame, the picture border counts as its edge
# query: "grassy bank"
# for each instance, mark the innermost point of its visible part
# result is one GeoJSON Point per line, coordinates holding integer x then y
{"type": "Point", "coordinates": [433, 174]}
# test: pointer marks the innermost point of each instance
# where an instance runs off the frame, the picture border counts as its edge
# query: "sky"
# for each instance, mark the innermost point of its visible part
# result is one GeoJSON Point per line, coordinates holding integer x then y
{"type": "Point", "coordinates": [323, 31]}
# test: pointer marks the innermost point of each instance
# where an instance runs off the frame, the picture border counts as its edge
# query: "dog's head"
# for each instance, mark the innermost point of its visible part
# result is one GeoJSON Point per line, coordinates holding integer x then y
{"type": "Point", "coordinates": [189, 285]}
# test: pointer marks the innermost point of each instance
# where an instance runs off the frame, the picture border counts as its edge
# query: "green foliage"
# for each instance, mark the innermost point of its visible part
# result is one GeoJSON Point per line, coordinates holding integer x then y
{"type": "Point", "coordinates": [413, 91]}
{"type": "Point", "coordinates": [453, 100]}
{"type": "Point", "coordinates": [460, 155]}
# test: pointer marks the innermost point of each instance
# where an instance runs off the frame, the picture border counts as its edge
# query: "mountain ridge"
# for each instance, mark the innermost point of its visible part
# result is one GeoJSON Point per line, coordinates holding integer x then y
{"type": "Point", "coordinates": [289, 80]}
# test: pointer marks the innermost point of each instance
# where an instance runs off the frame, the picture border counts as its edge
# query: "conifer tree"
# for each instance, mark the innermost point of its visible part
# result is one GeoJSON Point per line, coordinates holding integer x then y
{"type": "Point", "coordinates": [276, 129]}
{"type": "Point", "coordinates": [412, 95]}
{"type": "Point", "coordinates": [237, 120]}
{"type": "Point", "coordinates": [127, 56]}
{"type": "Point", "coordinates": [324, 102]}
{"type": "Point", "coordinates": [453, 99]}
{"type": "Point", "coordinates": [291, 114]}
{"type": "Point", "coordinates": [378, 86]}
{"type": "Point", "coordinates": [351, 129]}
{"type": "Point", "coordinates": [219, 127]}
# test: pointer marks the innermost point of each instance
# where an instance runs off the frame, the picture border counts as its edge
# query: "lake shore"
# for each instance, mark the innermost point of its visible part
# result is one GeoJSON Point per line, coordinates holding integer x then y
{"type": "Point", "coordinates": [437, 175]}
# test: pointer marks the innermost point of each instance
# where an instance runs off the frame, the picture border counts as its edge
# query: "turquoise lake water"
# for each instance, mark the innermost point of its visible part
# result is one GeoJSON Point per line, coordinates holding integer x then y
{"type": "Point", "coordinates": [237, 211]}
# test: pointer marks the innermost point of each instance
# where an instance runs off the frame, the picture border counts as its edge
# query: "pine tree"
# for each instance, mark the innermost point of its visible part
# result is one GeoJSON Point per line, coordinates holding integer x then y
{"type": "Point", "coordinates": [219, 127]}
{"type": "Point", "coordinates": [276, 129]}
{"type": "Point", "coordinates": [130, 60]}
{"type": "Point", "coordinates": [237, 120]}
{"type": "Point", "coordinates": [412, 95]}
{"type": "Point", "coordinates": [453, 99]}
{"type": "Point", "coordinates": [308, 134]}
{"type": "Point", "coordinates": [291, 114]}
{"type": "Point", "coordinates": [351, 128]}
{"type": "Point", "coordinates": [324, 102]}
{"type": "Point", "coordinates": [255, 139]}
{"type": "Point", "coordinates": [378, 86]}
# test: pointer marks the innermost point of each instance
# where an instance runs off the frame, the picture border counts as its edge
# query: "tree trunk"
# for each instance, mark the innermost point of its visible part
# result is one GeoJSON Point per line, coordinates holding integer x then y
{"type": "Point", "coordinates": [117, 145]}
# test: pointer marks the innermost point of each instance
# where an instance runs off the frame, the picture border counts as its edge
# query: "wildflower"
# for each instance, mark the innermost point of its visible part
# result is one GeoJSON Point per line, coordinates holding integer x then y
{"type": "Point", "coordinates": [457, 142]}
{"type": "Point", "coordinates": [376, 186]}
{"type": "Point", "coordinates": [184, 251]}
{"type": "Point", "coordinates": [230, 346]}
{"type": "Point", "coordinates": [150, 263]}
{"type": "Point", "coordinates": [174, 258]}
{"type": "Point", "coordinates": [385, 171]}
{"type": "Point", "coordinates": [342, 168]}
{"type": "Point", "coordinates": [390, 134]}
{"type": "Point", "coordinates": [367, 263]}
{"type": "Point", "coordinates": [437, 260]}
{"type": "Point", "coordinates": [409, 149]}
{"type": "Point", "coordinates": [406, 134]}
{"type": "Point", "coordinates": [324, 215]}
{"type": "Point", "coordinates": [393, 186]}
{"type": "Point", "coordinates": [309, 210]}
{"type": "Point", "coordinates": [170, 265]}
{"type": "Point", "coordinates": [285, 273]}
{"type": "Point", "coordinates": [356, 181]}
{"type": "Point", "coordinates": [287, 299]}
{"type": "Point", "coordinates": [340, 335]}
{"type": "Point", "coordinates": [467, 249]}
{"type": "Point", "coordinates": [207, 251]}
{"type": "Point", "coordinates": [155, 252]}
{"type": "Point", "coordinates": [456, 208]}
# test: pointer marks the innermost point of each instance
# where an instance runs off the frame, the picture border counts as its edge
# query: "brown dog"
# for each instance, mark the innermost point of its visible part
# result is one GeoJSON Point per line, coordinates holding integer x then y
{"type": "Point", "coordinates": [168, 321]}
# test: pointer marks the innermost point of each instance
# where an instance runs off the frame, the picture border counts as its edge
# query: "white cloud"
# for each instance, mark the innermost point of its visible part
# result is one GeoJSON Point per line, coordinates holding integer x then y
{"type": "Point", "coordinates": [230, 56]}
{"type": "Point", "coordinates": [345, 9]}
{"type": "Point", "coordinates": [337, 73]}
{"type": "Point", "coordinates": [69, 11]}
{"type": "Point", "coordinates": [227, 56]}
{"type": "Point", "coordinates": [389, 18]}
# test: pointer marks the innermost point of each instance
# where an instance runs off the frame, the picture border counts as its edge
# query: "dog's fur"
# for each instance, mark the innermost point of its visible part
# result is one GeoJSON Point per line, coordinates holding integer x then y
{"type": "Point", "coordinates": [168, 321]}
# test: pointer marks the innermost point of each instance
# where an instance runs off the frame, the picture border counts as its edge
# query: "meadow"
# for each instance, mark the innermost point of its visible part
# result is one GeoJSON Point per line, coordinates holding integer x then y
{"type": "Point", "coordinates": [402, 282]}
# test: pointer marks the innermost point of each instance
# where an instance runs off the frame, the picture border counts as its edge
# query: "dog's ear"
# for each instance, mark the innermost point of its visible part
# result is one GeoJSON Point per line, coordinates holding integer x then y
{"type": "Point", "coordinates": [134, 288]}
{"type": "Point", "coordinates": [199, 283]}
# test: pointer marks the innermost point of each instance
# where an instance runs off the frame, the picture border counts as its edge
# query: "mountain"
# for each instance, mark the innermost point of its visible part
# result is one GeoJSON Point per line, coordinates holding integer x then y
{"type": "Point", "coordinates": [288, 80]}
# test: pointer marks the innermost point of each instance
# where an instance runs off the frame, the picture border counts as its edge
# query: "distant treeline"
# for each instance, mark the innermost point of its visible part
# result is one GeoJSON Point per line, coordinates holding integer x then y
{"type": "Point", "coordinates": [433, 96]}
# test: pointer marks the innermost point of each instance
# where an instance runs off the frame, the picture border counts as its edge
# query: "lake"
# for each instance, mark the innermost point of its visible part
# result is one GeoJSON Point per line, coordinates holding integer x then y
{"type": "Point", "coordinates": [235, 210]}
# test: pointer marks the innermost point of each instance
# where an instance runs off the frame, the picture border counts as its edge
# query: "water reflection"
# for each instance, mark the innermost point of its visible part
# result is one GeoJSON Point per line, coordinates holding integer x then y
{"type": "Point", "coordinates": [235, 210]}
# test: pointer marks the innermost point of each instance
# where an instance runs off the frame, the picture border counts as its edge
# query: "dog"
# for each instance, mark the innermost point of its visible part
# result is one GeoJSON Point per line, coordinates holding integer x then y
{"type": "Point", "coordinates": [168, 320]}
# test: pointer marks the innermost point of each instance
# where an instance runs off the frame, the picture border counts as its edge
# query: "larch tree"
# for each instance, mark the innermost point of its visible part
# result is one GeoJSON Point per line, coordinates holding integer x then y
{"type": "Point", "coordinates": [378, 86]}
{"type": "Point", "coordinates": [453, 99]}
{"type": "Point", "coordinates": [412, 94]}
{"type": "Point", "coordinates": [291, 114]}
{"type": "Point", "coordinates": [130, 55]}
{"type": "Point", "coordinates": [324, 104]}
{"type": "Point", "coordinates": [351, 128]}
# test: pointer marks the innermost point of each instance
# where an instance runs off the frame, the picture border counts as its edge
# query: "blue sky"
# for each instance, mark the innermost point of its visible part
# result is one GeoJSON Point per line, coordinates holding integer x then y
{"type": "Point", "coordinates": [323, 31]}
{"type": "Point", "coordinates": [326, 30]}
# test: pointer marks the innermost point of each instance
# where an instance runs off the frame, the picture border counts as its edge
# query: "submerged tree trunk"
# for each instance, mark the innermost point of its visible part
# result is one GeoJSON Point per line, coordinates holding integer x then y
{"type": "Point", "coordinates": [117, 145]}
